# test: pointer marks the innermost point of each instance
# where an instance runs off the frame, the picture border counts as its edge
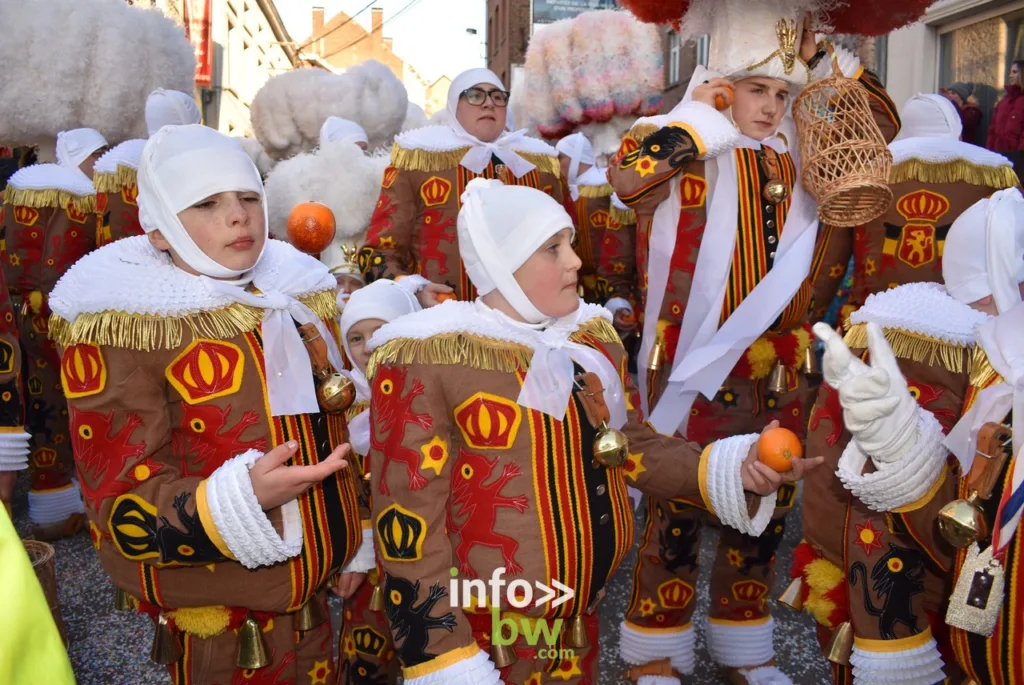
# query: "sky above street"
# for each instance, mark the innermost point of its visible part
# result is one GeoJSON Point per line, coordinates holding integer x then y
{"type": "Point", "coordinates": [429, 34]}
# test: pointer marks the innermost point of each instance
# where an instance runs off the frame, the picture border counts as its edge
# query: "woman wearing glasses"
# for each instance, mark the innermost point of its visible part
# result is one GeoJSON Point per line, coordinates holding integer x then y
{"type": "Point", "coordinates": [413, 228]}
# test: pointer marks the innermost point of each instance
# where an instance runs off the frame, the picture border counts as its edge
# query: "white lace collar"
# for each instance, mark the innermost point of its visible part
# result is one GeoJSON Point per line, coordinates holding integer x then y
{"type": "Point", "coordinates": [443, 139]}
{"type": "Point", "coordinates": [137, 278]}
{"type": "Point", "coordinates": [126, 154]}
{"type": "Point", "coordinates": [51, 177]}
{"type": "Point", "coordinates": [939, 150]}
{"type": "Point", "coordinates": [925, 309]}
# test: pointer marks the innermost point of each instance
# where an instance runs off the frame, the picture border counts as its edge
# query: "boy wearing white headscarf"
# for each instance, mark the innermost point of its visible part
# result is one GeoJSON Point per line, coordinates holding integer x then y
{"type": "Point", "coordinates": [488, 418]}
{"type": "Point", "coordinates": [366, 650]}
{"type": "Point", "coordinates": [414, 227]}
{"type": "Point", "coordinates": [195, 360]}
{"type": "Point", "coordinates": [730, 260]}
{"type": "Point", "coordinates": [116, 172]}
{"type": "Point", "coordinates": [936, 354]}
{"type": "Point", "coordinates": [50, 220]}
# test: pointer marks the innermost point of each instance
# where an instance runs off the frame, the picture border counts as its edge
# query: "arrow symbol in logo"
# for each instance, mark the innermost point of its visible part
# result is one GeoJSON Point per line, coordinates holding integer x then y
{"type": "Point", "coordinates": [549, 594]}
{"type": "Point", "coordinates": [569, 594]}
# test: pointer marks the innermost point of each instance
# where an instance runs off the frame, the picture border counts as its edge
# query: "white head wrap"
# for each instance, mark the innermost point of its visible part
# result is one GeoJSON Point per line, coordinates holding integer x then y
{"type": "Point", "coordinates": [579, 151]}
{"type": "Point", "coordinates": [384, 299]}
{"type": "Point", "coordinates": [500, 227]}
{"type": "Point", "coordinates": [170, 108]}
{"type": "Point", "coordinates": [336, 129]}
{"type": "Point", "coordinates": [480, 152]}
{"type": "Point", "coordinates": [930, 116]}
{"type": "Point", "coordinates": [75, 146]}
{"type": "Point", "coordinates": [182, 165]}
{"type": "Point", "coordinates": [984, 251]}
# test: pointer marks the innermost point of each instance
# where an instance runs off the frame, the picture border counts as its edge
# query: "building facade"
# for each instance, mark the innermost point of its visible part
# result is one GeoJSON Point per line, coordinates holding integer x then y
{"type": "Point", "coordinates": [508, 35]}
{"type": "Point", "coordinates": [342, 42]}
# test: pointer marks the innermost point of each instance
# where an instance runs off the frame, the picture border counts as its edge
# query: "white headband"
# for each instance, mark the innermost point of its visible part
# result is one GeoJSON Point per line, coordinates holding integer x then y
{"type": "Point", "coordinates": [170, 108]}
{"type": "Point", "coordinates": [930, 116]}
{"type": "Point", "coordinates": [336, 129]}
{"type": "Point", "coordinates": [385, 299]}
{"type": "Point", "coordinates": [75, 146]}
{"type": "Point", "coordinates": [579, 150]}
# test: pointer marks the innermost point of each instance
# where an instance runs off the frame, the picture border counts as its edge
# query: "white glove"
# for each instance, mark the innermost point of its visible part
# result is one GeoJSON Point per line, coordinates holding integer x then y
{"type": "Point", "coordinates": [878, 409]}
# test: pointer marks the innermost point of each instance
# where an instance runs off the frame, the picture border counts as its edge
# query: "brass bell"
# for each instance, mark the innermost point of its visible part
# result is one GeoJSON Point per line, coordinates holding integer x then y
{"type": "Point", "coordinates": [840, 647]}
{"type": "Point", "coordinates": [503, 656]}
{"type": "Point", "coordinates": [811, 366]}
{"type": "Point", "coordinates": [252, 650]}
{"type": "Point", "coordinates": [167, 647]}
{"type": "Point", "coordinates": [970, 681]}
{"type": "Point", "coordinates": [122, 601]}
{"type": "Point", "coordinates": [377, 599]}
{"type": "Point", "coordinates": [775, 192]}
{"type": "Point", "coordinates": [611, 447]}
{"type": "Point", "coordinates": [778, 383]}
{"type": "Point", "coordinates": [962, 522]}
{"type": "Point", "coordinates": [335, 393]}
{"type": "Point", "coordinates": [657, 352]}
{"type": "Point", "coordinates": [577, 637]}
{"type": "Point", "coordinates": [793, 595]}
{"type": "Point", "coordinates": [309, 616]}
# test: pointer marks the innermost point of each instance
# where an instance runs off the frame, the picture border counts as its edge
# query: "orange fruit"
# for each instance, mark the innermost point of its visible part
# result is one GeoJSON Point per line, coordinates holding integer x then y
{"type": "Point", "coordinates": [444, 297]}
{"type": "Point", "coordinates": [311, 227]}
{"type": "Point", "coordinates": [777, 446]}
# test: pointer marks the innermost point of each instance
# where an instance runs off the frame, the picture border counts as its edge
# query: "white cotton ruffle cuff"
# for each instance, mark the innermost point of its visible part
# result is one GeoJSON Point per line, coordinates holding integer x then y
{"type": "Point", "coordinates": [616, 303]}
{"type": "Point", "coordinates": [14, 451]}
{"type": "Point", "coordinates": [919, 666]}
{"type": "Point", "coordinates": [476, 670]}
{"type": "Point", "coordinates": [365, 559]}
{"type": "Point", "coordinates": [765, 675]}
{"type": "Point", "coordinates": [46, 507]}
{"type": "Point", "coordinates": [241, 521]}
{"type": "Point", "coordinates": [725, 487]}
{"type": "Point", "coordinates": [657, 680]}
{"type": "Point", "coordinates": [642, 647]}
{"type": "Point", "coordinates": [899, 483]}
{"type": "Point", "coordinates": [716, 132]}
{"type": "Point", "coordinates": [737, 645]}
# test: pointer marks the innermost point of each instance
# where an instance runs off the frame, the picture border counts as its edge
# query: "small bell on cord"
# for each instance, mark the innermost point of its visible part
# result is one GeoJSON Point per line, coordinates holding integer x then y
{"type": "Point", "coordinates": [252, 650]}
{"type": "Point", "coordinates": [577, 637]}
{"type": "Point", "coordinates": [503, 656]}
{"type": "Point", "coordinates": [840, 647]}
{"type": "Point", "coordinates": [793, 595]}
{"type": "Point", "coordinates": [309, 616]}
{"type": "Point", "coordinates": [611, 447]}
{"type": "Point", "coordinates": [167, 647]}
{"type": "Point", "coordinates": [811, 366]}
{"type": "Point", "coordinates": [778, 383]}
{"type": "Point", "coordinates": [657, 352]}
{"type": "Point", "coordinates": [122, 601]}
{"type": "Point", "coordinates": [962, 521]}
{"type": "Point", "coordinates": [377, 599]}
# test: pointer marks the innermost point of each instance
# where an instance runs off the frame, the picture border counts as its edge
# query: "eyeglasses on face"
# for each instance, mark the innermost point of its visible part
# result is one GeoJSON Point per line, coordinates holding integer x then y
{"type": "Point", "coordinates": [477, 96]}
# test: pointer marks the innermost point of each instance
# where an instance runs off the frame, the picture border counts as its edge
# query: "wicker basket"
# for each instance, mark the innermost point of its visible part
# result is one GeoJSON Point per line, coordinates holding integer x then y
{"type": "Point", "coordinates": [42, 556]}
{"type": "Point", "coordinates": [845, 161]}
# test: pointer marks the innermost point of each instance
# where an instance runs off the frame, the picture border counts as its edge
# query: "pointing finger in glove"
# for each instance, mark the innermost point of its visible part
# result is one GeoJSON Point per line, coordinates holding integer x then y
{"type": "Point", "coordinates": [881, 356]}
{"type": "Point", "coordinates": [839, 364]}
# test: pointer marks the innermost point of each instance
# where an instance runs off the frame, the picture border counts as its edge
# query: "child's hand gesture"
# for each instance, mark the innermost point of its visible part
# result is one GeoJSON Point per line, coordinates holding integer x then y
{"type": "Point", "coordinates": [273, 483]}
{"type": "Point", "coordinates": [763, 480]}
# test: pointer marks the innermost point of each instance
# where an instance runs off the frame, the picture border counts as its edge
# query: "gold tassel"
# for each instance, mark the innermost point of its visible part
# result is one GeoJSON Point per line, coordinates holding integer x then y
{"type": "Point", "coordinates": [594, 192]}
{"type": "Point", "coordinates": [640, 132]}
{"type": "Point", "coordinates": [252, 650]}
{"type": "Point", "coordinates": [982, 373]}
{"type": "Point", "coordinates": [914, 346]}
{"type": "Point", "coordinates": [466, 349]}
{"type": "Point", "coordinates": [959, 171]}
{"type": "Point", "coordinates": [49, 197]}
{"type": "Point", "coordinates": [167, 647]}
{"type": "Point", "coordinates": [625, 217]}
{"type": "Point", "coordinates": [443, 160]}
{"type": "Point", "coordinates": [106, 182]}
{"type": "Point", "coordinates": [148, 333]}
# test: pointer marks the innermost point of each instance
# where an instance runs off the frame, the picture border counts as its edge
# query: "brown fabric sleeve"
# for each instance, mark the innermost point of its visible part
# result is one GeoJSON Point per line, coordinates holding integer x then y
{"type": "Point", "coordinates": [617, 264]}
{"type": "Point", "coordinates": [886, 114]}
{"type": "Point", "coordinates": [12, 408]}
{"type": "Point", "coordinates": [388, 251]}
{"type": "Point", "coordinates": [640, 177]}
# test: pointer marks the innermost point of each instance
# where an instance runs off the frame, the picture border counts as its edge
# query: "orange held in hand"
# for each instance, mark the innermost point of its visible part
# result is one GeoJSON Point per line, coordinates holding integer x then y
{"type": "Point", "coordinates": [311, 227]}
{"type": "Point", "coordinates": [722, 102]}
{"type": "Point", "coordinates": [444, 297]}
{"type": "Point", "coordinates": [776, 448]}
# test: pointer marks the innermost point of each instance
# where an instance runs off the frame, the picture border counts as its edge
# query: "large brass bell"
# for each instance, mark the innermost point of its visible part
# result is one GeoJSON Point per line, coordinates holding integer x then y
{"type": "Point", "coordinates": [335, 392]}
{"type": "Point", "coordinates": [611, 447]}
{"type": "Point", "coordinates": [122, 601]}
{"type": "Point", "coordinates": [811, 366]}
{"type": "Point", "coordinates": [840, 647]}
{"type": "Point", "coordinates": [503, 656]}
{"type": "Point", "coordinates": [252, 650]}
{"type": "Point", "coordinates": [377, 599]}
{"type": "Point", "coordinates": [778, 383]}
{"type": "Point", "coordinates": [310, 616]}
{"type": "Point", "coordinates": [962, 522]}
{"type": "Point", "coordinates": [167, 647]}
{"type": "Point", "coordinates": [775, 192]}
{"type": "Point", "coordinates": [793, 595]}
{"type": "Point", "coordinates": [657, 352]}
{"type": "Point", "coordinates": [577, 637]}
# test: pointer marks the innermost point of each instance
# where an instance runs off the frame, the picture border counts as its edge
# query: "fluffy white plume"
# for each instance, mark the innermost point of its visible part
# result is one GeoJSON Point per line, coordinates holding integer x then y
{"type": "Point", "coordinates": [415, 117]}
{"type": "Point", "coordinates": [590, 69]}
{"type": "Point", "coordinates": [258, 155]}
{"type": "Point", "coordinates": [606, 137]}
{"type": "Point", "coordinates": [339, 175]}
{"type": "Point", "coordinates": [440, 118]}
{"type": "Point", "coordinates": [85, 63]}
{"type": "Point", "coordinates": [290, 108]}
{"type": "Point", "coordinates": [699, 18]}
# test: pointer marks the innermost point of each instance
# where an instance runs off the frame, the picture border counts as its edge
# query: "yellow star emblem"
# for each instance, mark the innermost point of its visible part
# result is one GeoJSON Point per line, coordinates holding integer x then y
{"type": "Point", "coordinates": [619, 267]}
{"type": "Point", "coordinates": [569, 668]}
{"type": "Point", "coordinates": [647, 606]}
{"type": "Point", "coordinates": [735, 557]}
{"type": "Point", "coordinates": [435, 455]}
{"type": "Point", "coordinates": [869, 266]}
{"type": "Point", "coordinates": [350, 647]}
{"type": "Point", "coordinates": [837, 271]}
{"type": "Point", "coordinates": [387, 243]}
{"type": "Point", "coordinates": [534, 679]}
{"type": "Point", "coordinates": [645, 166]}
{"type": "Point", "coordinates": [634, 466]}
{"type": "Point", "coordinates": [318, 674]}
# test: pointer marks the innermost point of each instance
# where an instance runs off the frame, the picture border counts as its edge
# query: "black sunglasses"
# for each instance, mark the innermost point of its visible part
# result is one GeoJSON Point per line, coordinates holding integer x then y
{"type": "Point", "coordinates": [477, 96]}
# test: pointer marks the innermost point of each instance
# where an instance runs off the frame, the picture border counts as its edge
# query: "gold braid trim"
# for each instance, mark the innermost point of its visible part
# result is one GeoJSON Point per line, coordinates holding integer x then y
{"type": "Point", "coordinates": [626, 217]}
{"type": "Point", "coordinates": [596, 191]}
{"type": "Point", "coordinates": [913, 346]}
{"type": "Point", "coordinates": [640, 132]}
{"type": "Point", "coordinates": [146, 333]}
{"type": "Point", "coordinates": [474, 351]}
{"type": "Point", "coordinates": [51, 197]}
{"type": "Point", "coordinates": [443, 160]}
{"type": "Point", "coordinates": [958, 171]}
{"type": "Point", "coordinates": [982, 373]}
{"type": "Point", "coordinates": [113, 182]}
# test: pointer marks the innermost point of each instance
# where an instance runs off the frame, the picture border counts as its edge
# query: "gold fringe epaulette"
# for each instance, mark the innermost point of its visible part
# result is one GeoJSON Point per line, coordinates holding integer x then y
{"type": "Point", "coordinates": [442, 160]}
{"type": "Point", "coordinates": [147, 333]}
{"type": "Point", "coordinates": [625, 217]}
{"type": "Point", "coordinates": [957, 171]}
{"type": "Point", "coordinates": [112, 182]}
{"type": "Point", "coordinates": [983, 374]}
{"type": "Point", "coordinates": [477, 352]}
{"type": "Point", "coordinates": [50, 197]}
{"type": "Point", "coordinates": [592, 192]}
{"type": "Point", "coordinates": [640, 132]}
{"type": "Point", "coordinates": [913, 346]}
